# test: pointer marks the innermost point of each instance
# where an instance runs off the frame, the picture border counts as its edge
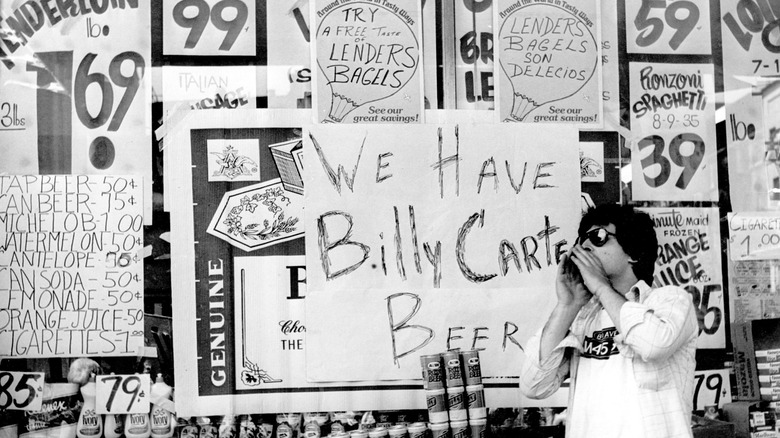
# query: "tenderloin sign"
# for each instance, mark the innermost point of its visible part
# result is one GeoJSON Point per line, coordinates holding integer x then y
{"type": "Point", "coordinates": [368, 52]}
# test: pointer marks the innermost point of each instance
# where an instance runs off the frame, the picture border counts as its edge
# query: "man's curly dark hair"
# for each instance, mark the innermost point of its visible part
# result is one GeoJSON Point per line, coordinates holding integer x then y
{"type": "Point", "coordinates": [634, 231]}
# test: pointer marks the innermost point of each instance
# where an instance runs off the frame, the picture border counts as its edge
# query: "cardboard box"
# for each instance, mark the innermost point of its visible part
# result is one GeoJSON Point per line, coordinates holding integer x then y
{"type": "Point", "coordinates": [706, 428]}
{"type": "Point", "coordinates": [748, 337]}
{"type": "Point", "coordinates": [743, 413]}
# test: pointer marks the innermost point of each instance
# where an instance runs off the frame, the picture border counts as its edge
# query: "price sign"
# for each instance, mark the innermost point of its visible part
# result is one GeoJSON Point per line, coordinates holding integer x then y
{"type": "Point", "coordinates": [209, 27]}
{"type": "Point", "coordinates": [668, 27]}
{"type": "Point", "coordinates": [673, 135]}
{"type": "Point", "coordinates": [21, 391]}
{"type": "Point", "coordinates": [123, 394]}
{"type": "Point", "coordinates": [712, 388]}
{"type": "Point", "coordinates": [754, 236]}
{"type": "Point", "coordinates": [750, 45]}
{"type": "Point", "coordinates": [474, 58]}
{"type": "Point", "coordinates": [83, 90]}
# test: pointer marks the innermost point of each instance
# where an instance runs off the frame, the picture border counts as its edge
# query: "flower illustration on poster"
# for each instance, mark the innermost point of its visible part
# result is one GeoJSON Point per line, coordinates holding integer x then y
{"type": "Point", "coordinates": [258, 216]}
{"type": "Point", "coordinates": [548, 53]}
{"type": "Point", "coordinates": [367, 52]}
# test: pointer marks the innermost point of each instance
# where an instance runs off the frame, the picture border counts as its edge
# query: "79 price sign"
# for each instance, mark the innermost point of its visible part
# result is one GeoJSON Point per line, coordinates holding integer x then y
{"type": "Point", "coordinates": [668, 27]}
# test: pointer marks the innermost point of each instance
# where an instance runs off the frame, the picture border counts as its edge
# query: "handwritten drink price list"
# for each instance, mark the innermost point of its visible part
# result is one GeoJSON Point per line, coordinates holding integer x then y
{"type": "Point", "coordinates": [71, 273]}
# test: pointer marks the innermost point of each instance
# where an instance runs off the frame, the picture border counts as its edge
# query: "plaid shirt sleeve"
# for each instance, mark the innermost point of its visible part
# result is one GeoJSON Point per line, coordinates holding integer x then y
{"type": "Point", "coordinates": [541, 379]}
{"type": "Point", "coordinates": [657, 327]}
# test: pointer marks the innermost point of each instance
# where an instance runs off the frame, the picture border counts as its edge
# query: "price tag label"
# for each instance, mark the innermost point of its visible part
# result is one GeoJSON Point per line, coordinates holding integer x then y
{"type": "Point", "coordinates": [668, 27]}
{"type": "Point", "coordinates": [712, 388]}
{"type": "Point", "coordinates": [672, 126]}
{"type": "Point", "coordinates": [21, 391]}
{"type": "Point", "coordinates": [123, 394]}
{"type": "Point", "coordinates": [209, 27]}
{"type": "Point", "coordinates": [754, 236]}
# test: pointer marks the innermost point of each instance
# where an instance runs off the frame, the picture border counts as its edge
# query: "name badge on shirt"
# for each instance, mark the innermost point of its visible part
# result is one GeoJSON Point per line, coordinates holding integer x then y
{"type": "Point", "coordinates": [601, 345]}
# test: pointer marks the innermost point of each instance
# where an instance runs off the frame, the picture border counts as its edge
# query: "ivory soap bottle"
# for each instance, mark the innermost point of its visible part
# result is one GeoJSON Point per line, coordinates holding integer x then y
{"type": "Point", "coordinates": [162, 421]}
{"type": "Point", "coordinates": [90, 425]}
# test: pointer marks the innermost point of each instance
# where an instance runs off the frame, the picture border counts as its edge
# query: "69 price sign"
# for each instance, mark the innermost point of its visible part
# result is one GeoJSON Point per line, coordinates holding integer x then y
{"type": "Point", "coordinates": [21, 391]}
{"type": "Point", "coordinates": [673, 146]}
{"type": "Point", "coordinates": [668, 27]}
{"type": "Point", "coordinates": [209, 27]}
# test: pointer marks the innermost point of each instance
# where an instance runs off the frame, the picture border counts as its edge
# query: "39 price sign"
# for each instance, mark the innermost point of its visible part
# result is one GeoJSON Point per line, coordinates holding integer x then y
{"type": "Point", "coordinates": [711, 388]}
{"type": "Point", "coordinates": [21, 391]}
{"type": "Point", "coordinates": [123, 394]}
{"type": "Point", "coordinates": [668, 27]}
{"type": "Point", "coordinates": [672, 124]}
{"type": "Point", "coordinates": [209, 27]}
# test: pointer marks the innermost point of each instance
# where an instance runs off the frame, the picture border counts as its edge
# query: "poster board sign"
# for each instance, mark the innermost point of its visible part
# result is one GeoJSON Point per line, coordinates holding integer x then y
{"type": "Point", "coordinates": [433, 239]}
{"type": "Point", "coordinates": [549, 54]}
{"type": "Point", "coordinates": [676, 27]}
{"type": "Point", "coordinates": [71, 265]}
{"type": "Point", "coordinates": [288, 35]}
{"type": "Point", "coordinates": [81, 81]}
{"type": "Point", "coordinates": [689, 257]}
{"type": "Point", "coordinates": [258, 363]}
{"type": "Point", "coordinates": [474, 55]}
{"type": "Point", "coordinates": [369, 61]}
{"type": "Point", "coordinates": [673, 145]}
{"type": "Point", "coordinates": [749, 50]}
{"type": "Point", "coordinates": [711, 388]}
{"type": "Point", "coordinates": [754, 236]}
{"type": "Point", "coordinates": [23, 390]}
{"type": "Point", "coordinates": [122, 394]}
{"type": "Point", "coordinates": [751, 174]}
{"type": "Point", "coordinates": [754, 290]}
{"type": "Point", "coordinates": [209, 28]}
{"type": "Point", "coordinates": [610, 64]}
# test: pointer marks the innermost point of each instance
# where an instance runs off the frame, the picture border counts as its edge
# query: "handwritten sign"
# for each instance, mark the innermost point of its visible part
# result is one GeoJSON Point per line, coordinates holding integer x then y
{"type": "Point", "coordinates": [668, 27]}
{"type": "Point", "coordinates": [368, 58]}
{"type": "Point", "coordinates": [672, 124]}
{"type": "Point", "coordinates": [21, 390]}
{"type": "Point", "coordinates": [749, 48]}
{"type": "Point", "coordinates": [474, 54]}
{"type": "Point", "coordinates": [288, 36]}
{"type": "Point", "coordinates": [71, 278]}
{"type": "Point", "coordinates": [82, 76]}
{"type": "Point", "coordinates": [610, 63]}
{"type": "Point", "coordinates": [712, 388]}
{"type": "Point", "coordinates": [209, 27]}
{"type": "Point", "coordinates": [754, 236]}
{"type": "Point", "coordinates": [689, 257]}
{"type": "Point", "coordinates": [549, 53]}
{"type": "Point", "coordinates": [428, 224]}
{"type": "Point", "coordinates": [122, 394]}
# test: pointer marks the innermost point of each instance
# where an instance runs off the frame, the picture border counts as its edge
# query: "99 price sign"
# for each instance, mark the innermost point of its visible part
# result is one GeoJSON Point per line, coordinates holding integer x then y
{"type": "Point", "coordinates": [123, 394]}
{"type": "Point", "coordinates": [668, 27]}
{"type": "Point", "coordinates": [21, 391]}
{"type": "Point", "coordinates": [209, 27]}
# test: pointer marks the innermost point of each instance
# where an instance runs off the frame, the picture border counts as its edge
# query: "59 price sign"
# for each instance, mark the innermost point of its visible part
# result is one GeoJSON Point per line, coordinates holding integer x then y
{"type": "Point", "coordinates": [21, 390]}
{"type": "Point", "coordinates": [673, 145]}
{"type": "Point", "coordinates": [668, 27]}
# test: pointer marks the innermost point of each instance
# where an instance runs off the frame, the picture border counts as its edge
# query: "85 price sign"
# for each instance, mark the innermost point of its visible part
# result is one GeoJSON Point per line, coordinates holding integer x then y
{"type": "Point", "coordinates": [21, 391]}
{"type": "Point", "coordinates": [209, 27]}
{"type": "Point", "coordinates": [668, 27]}
{"type": "Point", "coordinates": [123, 394]}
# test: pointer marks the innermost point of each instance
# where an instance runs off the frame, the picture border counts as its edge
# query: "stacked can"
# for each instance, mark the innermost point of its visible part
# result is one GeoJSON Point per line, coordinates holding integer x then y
{"type": "Point", "coordinates": [475, 393]}
{"type": "Point", "coordinates": [457, 378]}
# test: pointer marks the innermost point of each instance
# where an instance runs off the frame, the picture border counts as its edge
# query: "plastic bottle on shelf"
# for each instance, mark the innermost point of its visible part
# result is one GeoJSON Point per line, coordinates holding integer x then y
{"type": "Point", "coordinates": [114, 425]}
{"type": "Point", "coordinates": [162, 420]}
{"type": "Point", "coordinates": [90, 425]}
{"type": "Point", "coordinates": [137, 426]}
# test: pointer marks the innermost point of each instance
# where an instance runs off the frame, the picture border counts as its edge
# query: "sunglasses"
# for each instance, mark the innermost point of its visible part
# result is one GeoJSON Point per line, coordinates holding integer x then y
{"type": "Point", "coordinates": [598, 237]}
